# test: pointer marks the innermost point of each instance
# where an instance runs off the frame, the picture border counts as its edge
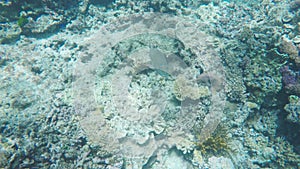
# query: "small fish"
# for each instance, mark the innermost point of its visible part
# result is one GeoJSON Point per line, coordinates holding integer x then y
{"type": "Point", "coordinates": [158, 59]}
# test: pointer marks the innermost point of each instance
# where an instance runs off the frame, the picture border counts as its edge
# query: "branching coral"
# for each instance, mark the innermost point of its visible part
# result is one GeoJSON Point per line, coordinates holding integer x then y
{"type": "Point", "coordinates": [215, 143]}
{"type": "Point", "coordinates": [285, 156]}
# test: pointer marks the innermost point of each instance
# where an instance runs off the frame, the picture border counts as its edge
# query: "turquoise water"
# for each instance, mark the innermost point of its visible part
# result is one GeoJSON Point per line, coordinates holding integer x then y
{"type": "Point", "coordinates": [149, 84]}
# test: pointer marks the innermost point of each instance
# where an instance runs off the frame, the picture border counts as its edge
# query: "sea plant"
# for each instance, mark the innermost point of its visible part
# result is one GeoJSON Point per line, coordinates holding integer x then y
{"type": "Point", "coordinates": [22, 21]}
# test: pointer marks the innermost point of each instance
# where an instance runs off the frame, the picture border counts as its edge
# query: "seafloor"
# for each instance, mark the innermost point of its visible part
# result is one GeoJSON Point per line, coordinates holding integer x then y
{"type": "Point", "coordinates": [161, 84]}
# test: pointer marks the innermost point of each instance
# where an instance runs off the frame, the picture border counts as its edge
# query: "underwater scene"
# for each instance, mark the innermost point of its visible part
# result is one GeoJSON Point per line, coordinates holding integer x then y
{"type": "Point", "coordinates": [140, 84]}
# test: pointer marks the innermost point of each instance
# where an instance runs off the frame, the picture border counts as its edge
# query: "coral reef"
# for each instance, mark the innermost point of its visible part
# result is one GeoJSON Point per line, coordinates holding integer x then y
{"type": "Point", "coordinates": [76, 75]}
{"type": "Point", "coordinates": [215, 144]}
{"type": "Point", "coordinates": [293, 109]}
{"type": "Point", "coordinates": [291, 80]}
{"type": "Point", "coordinates": [140, 113]}
{"type": "Point", "coordinates": [183, 90]}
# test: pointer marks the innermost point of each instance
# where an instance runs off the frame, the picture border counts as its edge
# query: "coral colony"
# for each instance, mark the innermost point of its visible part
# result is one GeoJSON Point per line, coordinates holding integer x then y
{"type": "Point", "coordinates": [150, 84]}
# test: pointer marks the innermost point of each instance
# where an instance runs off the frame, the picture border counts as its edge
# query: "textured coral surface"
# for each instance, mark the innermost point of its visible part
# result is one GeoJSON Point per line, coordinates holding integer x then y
{"type": "Point", "coordinates": [149, 84]}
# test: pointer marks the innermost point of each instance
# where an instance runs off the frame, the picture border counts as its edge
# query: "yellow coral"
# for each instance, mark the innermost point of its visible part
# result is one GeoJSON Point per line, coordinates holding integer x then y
{"type": "Point", "coordinates": [215, 143]}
